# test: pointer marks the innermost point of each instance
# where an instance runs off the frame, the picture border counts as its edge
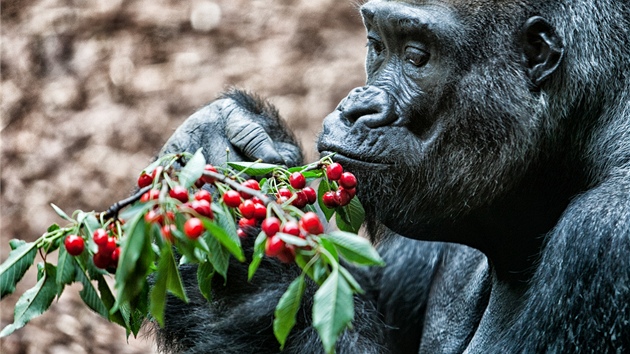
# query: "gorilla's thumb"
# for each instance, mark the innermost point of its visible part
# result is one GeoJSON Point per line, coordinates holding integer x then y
{"type": "Point", "coordinates": [253, 141]}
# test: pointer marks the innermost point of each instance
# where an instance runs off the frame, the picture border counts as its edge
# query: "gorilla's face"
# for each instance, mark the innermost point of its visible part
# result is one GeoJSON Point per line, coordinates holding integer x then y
{"type": "Point", "coordinates": [446, 123]}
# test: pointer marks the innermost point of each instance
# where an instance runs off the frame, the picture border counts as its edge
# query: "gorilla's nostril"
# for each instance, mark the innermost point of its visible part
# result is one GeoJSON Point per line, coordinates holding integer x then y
{"type": "Point", "coordinates": [369, 105]}
{"type": "Point", "coordinates": [355, 112]}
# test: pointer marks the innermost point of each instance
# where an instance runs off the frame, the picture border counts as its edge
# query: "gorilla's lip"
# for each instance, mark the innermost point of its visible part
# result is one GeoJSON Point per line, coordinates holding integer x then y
{"type": "Point", "coordinates": [346, 158]}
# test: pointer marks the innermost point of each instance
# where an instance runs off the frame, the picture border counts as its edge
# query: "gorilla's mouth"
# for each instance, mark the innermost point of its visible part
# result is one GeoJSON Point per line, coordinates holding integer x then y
{"type": "Point", "coordinates": [351, 159]}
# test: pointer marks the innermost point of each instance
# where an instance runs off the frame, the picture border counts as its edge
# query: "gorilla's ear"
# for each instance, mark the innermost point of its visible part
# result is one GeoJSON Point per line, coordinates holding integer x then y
{"type": "Point", "coordinates": [542, 49]}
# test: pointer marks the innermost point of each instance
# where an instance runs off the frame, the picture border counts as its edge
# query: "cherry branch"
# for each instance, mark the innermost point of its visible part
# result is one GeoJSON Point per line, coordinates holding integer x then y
{"type": "Point", "coordinates": [113, 210]}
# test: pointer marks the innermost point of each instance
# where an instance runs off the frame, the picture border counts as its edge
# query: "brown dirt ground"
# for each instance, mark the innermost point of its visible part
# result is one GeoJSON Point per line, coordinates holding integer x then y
{"type": "Point", "coordinates": [91, 89]}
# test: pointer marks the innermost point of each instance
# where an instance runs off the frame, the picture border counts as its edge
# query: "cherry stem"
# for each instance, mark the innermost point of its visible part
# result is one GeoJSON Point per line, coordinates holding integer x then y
{"type": "Point", "coordinates": [113, 210]}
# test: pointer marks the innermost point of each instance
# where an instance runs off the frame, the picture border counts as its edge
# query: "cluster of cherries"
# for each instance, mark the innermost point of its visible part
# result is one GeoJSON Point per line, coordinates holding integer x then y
{"type": "Point", "coordinates": [346, 190]}
{"type": "Point", "coordinates": [252, 210]}
{"type": "Point", "coordinates": [199, 205]}
{"type": "Point", "coordinates": [108, 252]}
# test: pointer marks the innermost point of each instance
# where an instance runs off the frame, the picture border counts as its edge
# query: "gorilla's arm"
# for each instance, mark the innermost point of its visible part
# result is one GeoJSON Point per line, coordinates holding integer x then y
{"type": "Point", "coordinates": [388, 317]}
{"type": "Point", "coordinates": [240, 317]}
{"type": "Point", "coordinates": [579, 298]}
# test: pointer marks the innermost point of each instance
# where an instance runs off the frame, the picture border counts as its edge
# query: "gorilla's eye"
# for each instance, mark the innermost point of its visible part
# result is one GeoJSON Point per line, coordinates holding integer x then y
{"type": "Point", "coordinates": [416, 56]}
{"type": "Point", "coordinates": [376, 44]}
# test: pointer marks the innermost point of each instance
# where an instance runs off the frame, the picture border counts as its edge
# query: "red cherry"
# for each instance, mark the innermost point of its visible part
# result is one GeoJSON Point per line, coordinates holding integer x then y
{"type": "Point", "coordinates": [144, 180]}
{"type": "Point", "coordinates": [287, 255]}
{"type": "Point", "coordinates": [202, 207]}
{"type": "Point", "coordinates": [297, 180]}
{"type": "Point", "coordinates": [260, 211]}
{"type": "Point", "coordinates": [157, 172]}
{"type": "Point", "coordinates": [330, 200]}
{"type": "Point", "coordinates": [153, 216]}
{"type": "Point", "coordinates": [257, 200]}
{"type": "Point", "coordinates": [274, 246]}
{"type": "Point", "coordinates": [270, 226]}
{"type": "Point", "coordinates": [342, 196]}
{"type": "Point", "coordinates": [180, 193]}
{"type": "Point", "coordinates": [291, 228]}
{"type": "Point", "coordinates": [348, 180]}
{"type": "Point", "coordinates": [351, 191]}
{"type": "Point", "coordinates": [203, 195]}
{"type": "Point", "coordinates": [100, 237]}
{"type": "Point", "coordinates": [310, 223]}
{"type": "Point", "coordinates": [193, 228]}
{"type": "Point", "coordinates": [247, 209]}
{"type": "Point", "coordinates": [311, 195]}
{"type": "Point", "coordinates": [300, 200]}
{"type": "Point", "coordinates": [244, 223]}
{"type": "Point", "coordinates": [251, 184]}
{"type": "Point", "coordinates": [74, 244]}
{"type": "Point", "coordinates": [114, 257]}
{"type": "Point", "coordinates": [208, 179]}
{"type": "Point", "coordinates": [334, 171]}
{"type": "Point", "coordinates": [109, 247]}
{"type": "Point", "coordinates": [285, 192]}
{"type": "Point", "coordinates": [150, 195]}
{"type": "Point", "coordinates": [167, 232]}
{"type": "Point", "coordinates": [232, 198]}
{"type": "Point", "coordinates": [240, 233]}
{"type": "Point", "coordinates": [102, 260]}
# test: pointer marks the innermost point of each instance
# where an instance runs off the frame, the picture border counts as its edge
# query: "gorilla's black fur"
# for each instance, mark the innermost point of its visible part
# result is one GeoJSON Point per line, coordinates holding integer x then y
{"type": "Point", "coordinates": [495, 137]}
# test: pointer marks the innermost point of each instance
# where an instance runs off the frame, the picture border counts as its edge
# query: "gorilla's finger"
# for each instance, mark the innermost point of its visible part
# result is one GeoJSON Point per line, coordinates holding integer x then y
{"type": "Point", "coordinates": [291, 153]}
{"type": "Point", "coordinates": [252, 140]}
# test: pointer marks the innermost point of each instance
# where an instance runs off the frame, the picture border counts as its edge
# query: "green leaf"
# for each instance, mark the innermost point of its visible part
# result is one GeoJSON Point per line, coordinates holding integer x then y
{"type": "Point", "coordinates": [205, 273]}
{"type": "Point", "coordinates": [168, 272]}
{"type": "Point", "coordinates": [350, 217]}
{"type": "Point", "coordinates": [330, 247]}
{"type": "Point", "coordinates": [225, 220]}
{"type": "Point", "coordinates": [354, 284]}
{"type": "Point", "coordinates": [323, 188]}
{"type": "Point", "coordinates": [302, 261]}
{"type": "Point", "coordinates": [231, 242]}
{"type": "Point", "coordinates": [20, 259]}
{"type": "Point", "coordinates": [218, 256]}
{"type": "Point", "coordinates": [193, 169]}
{"type": "Point", "coordinates": [139, 308]}
{"type": "Point", "coordinates": [355, 248]}
{"type": "Point", "coordinates": [175, 284]}
{"type": "Point", "coordinates": [34, 301]}
{"type": "Point", "coordinates": [61, 212]}
{"type": "Point", "coordinates": [66, 269]}
{"type": "Point", "coordinates": [108, 300]}
{"type": "Point", "coordinates": [135, 262]}
{"type": "Point", "coordinates": [89, 295]}
{"type": "Point", "coordinates": [91, 223]}
{"type": "Point", "coordinates": [259, 251]}
{"type": "Point", "coordinates": [253, 168]}
{"type": "Point", "coordinates": [287, 309]}
{"type": "Point", "coordinates": [333, 309]}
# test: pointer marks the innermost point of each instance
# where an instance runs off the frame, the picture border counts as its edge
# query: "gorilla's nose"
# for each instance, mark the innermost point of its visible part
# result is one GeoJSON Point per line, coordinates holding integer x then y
{"type": "Point", "coordinates": [369, 105]}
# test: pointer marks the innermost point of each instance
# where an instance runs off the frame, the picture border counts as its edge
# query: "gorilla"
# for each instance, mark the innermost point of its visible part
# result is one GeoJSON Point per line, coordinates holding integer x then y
{"type": "Point", "coordinates": [491, 142]}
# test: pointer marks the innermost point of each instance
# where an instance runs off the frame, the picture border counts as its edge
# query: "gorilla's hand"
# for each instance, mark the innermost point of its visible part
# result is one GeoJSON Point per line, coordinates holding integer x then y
{"type": "Point", "coordinates": [247, 126]}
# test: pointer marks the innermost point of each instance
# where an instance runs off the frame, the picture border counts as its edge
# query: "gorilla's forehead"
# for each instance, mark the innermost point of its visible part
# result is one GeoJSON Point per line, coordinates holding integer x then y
{"type": "Point", "coordinates": [462, 5]}
{"type": "Point", "coordinates": [408, 16]}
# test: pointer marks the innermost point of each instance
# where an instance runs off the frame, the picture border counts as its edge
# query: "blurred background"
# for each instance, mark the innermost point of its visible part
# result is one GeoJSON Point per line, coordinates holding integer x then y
{"type": "Point", "coordinates": [92, 89]}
